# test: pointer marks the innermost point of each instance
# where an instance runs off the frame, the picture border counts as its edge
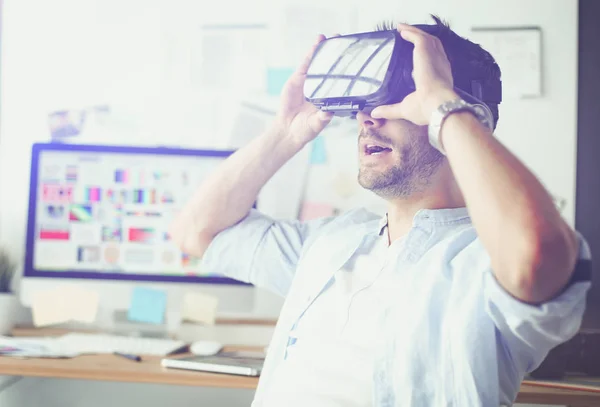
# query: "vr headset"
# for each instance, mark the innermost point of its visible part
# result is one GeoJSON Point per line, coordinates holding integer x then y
{"type": "Point", "coordinates": [359, 72]}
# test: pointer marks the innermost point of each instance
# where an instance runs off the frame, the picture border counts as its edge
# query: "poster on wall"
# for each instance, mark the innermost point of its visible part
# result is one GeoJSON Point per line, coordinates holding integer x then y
{"type": "Point", "coordinates": [518, 52]}
{"type": "Point", "coordinates": [70, 124]}
{"type": "Point", "coordinates": [229, 57]}
{"type": "Point", "coordinates": [295, 25]}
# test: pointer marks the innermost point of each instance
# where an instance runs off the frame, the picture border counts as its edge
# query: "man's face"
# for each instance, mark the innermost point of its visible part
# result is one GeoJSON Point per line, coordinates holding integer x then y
{"type": "Point", "coordinates": [395, 157]}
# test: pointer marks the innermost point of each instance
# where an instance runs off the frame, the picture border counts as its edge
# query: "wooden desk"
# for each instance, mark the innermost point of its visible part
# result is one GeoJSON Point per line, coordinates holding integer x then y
{"type": "Point", "coordinates": [114, 368]}
{"type": "Point", "coordinates": [559, 397]}
{"type": "Point", "coordinates": [118, 369]}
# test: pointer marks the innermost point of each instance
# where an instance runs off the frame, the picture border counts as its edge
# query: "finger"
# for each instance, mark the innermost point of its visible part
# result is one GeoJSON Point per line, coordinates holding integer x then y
{"type": "Point", "coordinates": [411, 36]}
{"type": "Point", "coordinates": [440, 47]}
{"type": "Point", "coordinates": [404, 26]}
{"type": "Point", "coordinates": [389, 112]}
{"type": "Point", "coordinates": [318, 120]}
{"type": "Point", "coordinates": [403, 110]}
{"type": "Point", "coordinates": [407, 27]}
{"type": "Point", "coordinates": [303, 68]}
{"type": "Point", "coordinates": [409, 109]}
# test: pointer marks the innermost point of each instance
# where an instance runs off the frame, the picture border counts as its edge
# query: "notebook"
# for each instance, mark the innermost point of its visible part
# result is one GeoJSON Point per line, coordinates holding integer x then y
{"type": "Point", "coordinates": [236, 365]}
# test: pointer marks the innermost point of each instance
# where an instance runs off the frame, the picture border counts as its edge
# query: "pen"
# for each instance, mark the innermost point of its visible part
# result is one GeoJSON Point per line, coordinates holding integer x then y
{"type": "Point", "coordinates": [134, 358]}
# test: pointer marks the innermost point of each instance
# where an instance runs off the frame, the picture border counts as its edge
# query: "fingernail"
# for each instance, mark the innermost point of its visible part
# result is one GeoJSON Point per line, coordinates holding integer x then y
{"type": "Point", "coordinates": [324, 115]}
{"type": "Point", "coordinates": [376, 113]}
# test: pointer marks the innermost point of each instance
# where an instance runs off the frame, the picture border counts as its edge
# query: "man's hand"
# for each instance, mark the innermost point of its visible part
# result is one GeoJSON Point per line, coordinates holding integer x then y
{"type": "Point", "coordinates": [432, 75]}
{"type": "Point", "coordinates": [227, 195]}
{"type": "Point", "coordinates": [299, 118]}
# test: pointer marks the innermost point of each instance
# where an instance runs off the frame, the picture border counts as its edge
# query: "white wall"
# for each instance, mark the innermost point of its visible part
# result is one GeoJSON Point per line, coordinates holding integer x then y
{"type": "Point", "coordinates": [136, 55]}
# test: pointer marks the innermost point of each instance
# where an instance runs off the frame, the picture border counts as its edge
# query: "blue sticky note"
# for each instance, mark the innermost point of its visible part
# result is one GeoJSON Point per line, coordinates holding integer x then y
{"type": "Point", "coordinates": [147, 305]}
{"type": "Point", "coordinates": [318, 154]}
{"type": "Point", "coordinates": [276, 78]}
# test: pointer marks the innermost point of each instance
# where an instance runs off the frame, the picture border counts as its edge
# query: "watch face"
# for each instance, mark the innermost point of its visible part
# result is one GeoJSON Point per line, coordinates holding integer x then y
{"type": "Point", "coordinates": [482, 112]}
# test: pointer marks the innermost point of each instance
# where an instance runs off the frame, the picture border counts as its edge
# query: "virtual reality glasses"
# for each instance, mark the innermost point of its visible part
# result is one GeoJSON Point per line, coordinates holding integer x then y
{"type": "Point", "coordinates": [359, 72]}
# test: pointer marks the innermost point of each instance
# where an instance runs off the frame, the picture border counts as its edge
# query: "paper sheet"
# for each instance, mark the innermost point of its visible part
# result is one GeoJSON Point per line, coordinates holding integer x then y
{"type": "Point", "coordinates": [50, 308]}
{"type": "Point", "coordinates": [147, 305]}
{"type": "Point", "coordinates": [299, 25]}
{"type": "Point", "coordinates": [518, 53]}
{"type": "Point", "coordinates": [64, 304]}
{"type": "Point", "coordinates": [281, 197]}
{"type": "Point", "coordinates": [230, 57]}
{"type": "Point", "coordinates": [200, 308]}
{"type": "Point", "coordinates": [33, 347]}
{"type": "Point", "coordinates": [250, 120]}
{"type": "Point", "coordinates": [84, 304]}
{"type": "Point", "coordinates": [254, 115]}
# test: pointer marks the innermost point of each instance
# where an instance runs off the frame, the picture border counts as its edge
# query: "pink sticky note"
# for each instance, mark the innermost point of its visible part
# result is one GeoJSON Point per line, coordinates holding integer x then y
{"type": "Point", "coordinates": [315, 210]}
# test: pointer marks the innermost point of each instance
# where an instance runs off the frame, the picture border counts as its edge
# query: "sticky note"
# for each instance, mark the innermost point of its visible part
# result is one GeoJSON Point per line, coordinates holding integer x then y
{"type": "Point", "coordinates": [318, 154]}
{"type": "Point", "coordinates": [83, 304]}
{"type": "Point", "coordinates": [147, 305]}
{"type": "Point", "coordinates": [316, 210]}
{"type": "Point", "coordinates": [49, 307]}
{"type": "Point", "coordinates": [276, 78]}
{"type": "Point", "coordinates": [200, 308]}
{"type": "Point", "coordinates": [63, 304]}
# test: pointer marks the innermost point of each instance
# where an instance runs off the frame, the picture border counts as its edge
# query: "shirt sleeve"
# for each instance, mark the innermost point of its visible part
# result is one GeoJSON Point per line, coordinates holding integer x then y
{"type": "Point", "coordinates": [260, 250]}
{"type": "Point", "coordinates": [531, 331]}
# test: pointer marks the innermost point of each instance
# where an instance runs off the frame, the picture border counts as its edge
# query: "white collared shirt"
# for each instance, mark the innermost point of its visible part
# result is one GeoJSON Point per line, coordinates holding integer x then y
{"type": "Point", "coordinates": [446, 333]}
{"type": "Point", "coordinates": [330, 362]}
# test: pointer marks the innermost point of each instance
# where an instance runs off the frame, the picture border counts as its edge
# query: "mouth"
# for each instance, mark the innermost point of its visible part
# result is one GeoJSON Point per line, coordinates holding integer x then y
{"type": "Point", "coordinates": [371, 148]}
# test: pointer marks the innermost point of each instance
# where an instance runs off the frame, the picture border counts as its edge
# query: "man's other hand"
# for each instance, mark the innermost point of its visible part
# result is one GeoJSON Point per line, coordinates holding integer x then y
{"type": "Point", "coordinates": [432, 74]}
{"type": "Point", "coordinates": [297, 117]}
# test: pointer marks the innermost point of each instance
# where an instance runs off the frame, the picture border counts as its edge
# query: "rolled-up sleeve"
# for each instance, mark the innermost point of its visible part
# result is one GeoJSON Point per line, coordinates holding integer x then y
{"type": "Point", "coordinates": [531, 331]}
{"type": "Point", "coordinates": [260, 250]}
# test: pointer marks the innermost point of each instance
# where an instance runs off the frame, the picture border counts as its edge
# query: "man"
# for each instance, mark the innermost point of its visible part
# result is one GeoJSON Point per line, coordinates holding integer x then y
{"type": "Point", "coordinates": [448, 300]}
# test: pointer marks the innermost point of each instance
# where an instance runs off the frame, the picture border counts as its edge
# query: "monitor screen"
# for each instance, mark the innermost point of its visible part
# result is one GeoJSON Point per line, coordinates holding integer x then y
{"type": "Point", "coordinates": [103, 212]}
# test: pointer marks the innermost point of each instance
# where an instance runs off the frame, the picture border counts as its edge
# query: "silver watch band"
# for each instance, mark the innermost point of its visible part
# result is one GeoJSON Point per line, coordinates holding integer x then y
{"type": "Point", "coordinates": [439, 115]}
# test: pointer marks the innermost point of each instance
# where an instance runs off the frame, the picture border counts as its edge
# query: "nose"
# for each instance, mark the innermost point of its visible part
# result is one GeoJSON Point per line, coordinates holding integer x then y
{"type": "Point", "coordinates": [367, 122]}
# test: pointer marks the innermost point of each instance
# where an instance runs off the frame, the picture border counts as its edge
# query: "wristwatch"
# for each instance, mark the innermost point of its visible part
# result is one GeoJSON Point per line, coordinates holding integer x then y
{"type": "Point", "coordinates": [439, 115]}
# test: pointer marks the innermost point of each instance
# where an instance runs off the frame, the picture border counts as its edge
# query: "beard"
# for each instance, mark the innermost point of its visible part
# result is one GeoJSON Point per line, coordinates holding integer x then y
{"type": "Point", "coordinates": [411, 174]}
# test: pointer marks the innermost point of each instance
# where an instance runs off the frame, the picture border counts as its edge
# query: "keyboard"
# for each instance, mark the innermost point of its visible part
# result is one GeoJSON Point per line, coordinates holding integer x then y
{"type": "Point", "coordinates": [82, 343]}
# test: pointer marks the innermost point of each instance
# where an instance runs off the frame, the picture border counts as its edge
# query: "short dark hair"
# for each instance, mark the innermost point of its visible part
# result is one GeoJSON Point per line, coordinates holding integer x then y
{"type": "Point", "coordinates": [465, 57]}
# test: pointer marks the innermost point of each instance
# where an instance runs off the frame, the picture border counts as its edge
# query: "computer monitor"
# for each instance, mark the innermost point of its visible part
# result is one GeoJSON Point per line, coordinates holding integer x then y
{"type": "Point", "coordinates": [98, 217]}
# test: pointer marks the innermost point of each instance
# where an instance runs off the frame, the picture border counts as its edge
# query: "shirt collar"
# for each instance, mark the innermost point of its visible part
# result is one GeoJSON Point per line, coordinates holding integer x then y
{"type": "Point", "coordinates": [432, 216]}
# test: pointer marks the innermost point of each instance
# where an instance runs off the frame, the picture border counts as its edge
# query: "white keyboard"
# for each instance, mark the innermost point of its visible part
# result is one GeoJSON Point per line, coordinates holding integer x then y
{"type": "Point", "coordinates": [96, 343]}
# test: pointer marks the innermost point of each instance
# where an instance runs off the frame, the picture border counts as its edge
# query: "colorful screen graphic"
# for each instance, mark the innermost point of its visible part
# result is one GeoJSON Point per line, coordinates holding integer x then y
{"type": "Point", "coordinates": [121, 176]}
{"type": "Point", "coordinates": [141, 235]}
{"type": "Point", "coordinates": [111, 212]}
{"type": "Point", "coordinates": [93, 194]}
{"type": "Point", "coordinates": [54, 234]}
{"type": "Point", "coordinates": [80, 213]}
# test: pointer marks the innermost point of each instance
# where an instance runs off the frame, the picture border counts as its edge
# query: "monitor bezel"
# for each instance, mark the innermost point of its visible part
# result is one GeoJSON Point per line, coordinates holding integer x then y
{"type": "Point", "coordinates": [30, 271]}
